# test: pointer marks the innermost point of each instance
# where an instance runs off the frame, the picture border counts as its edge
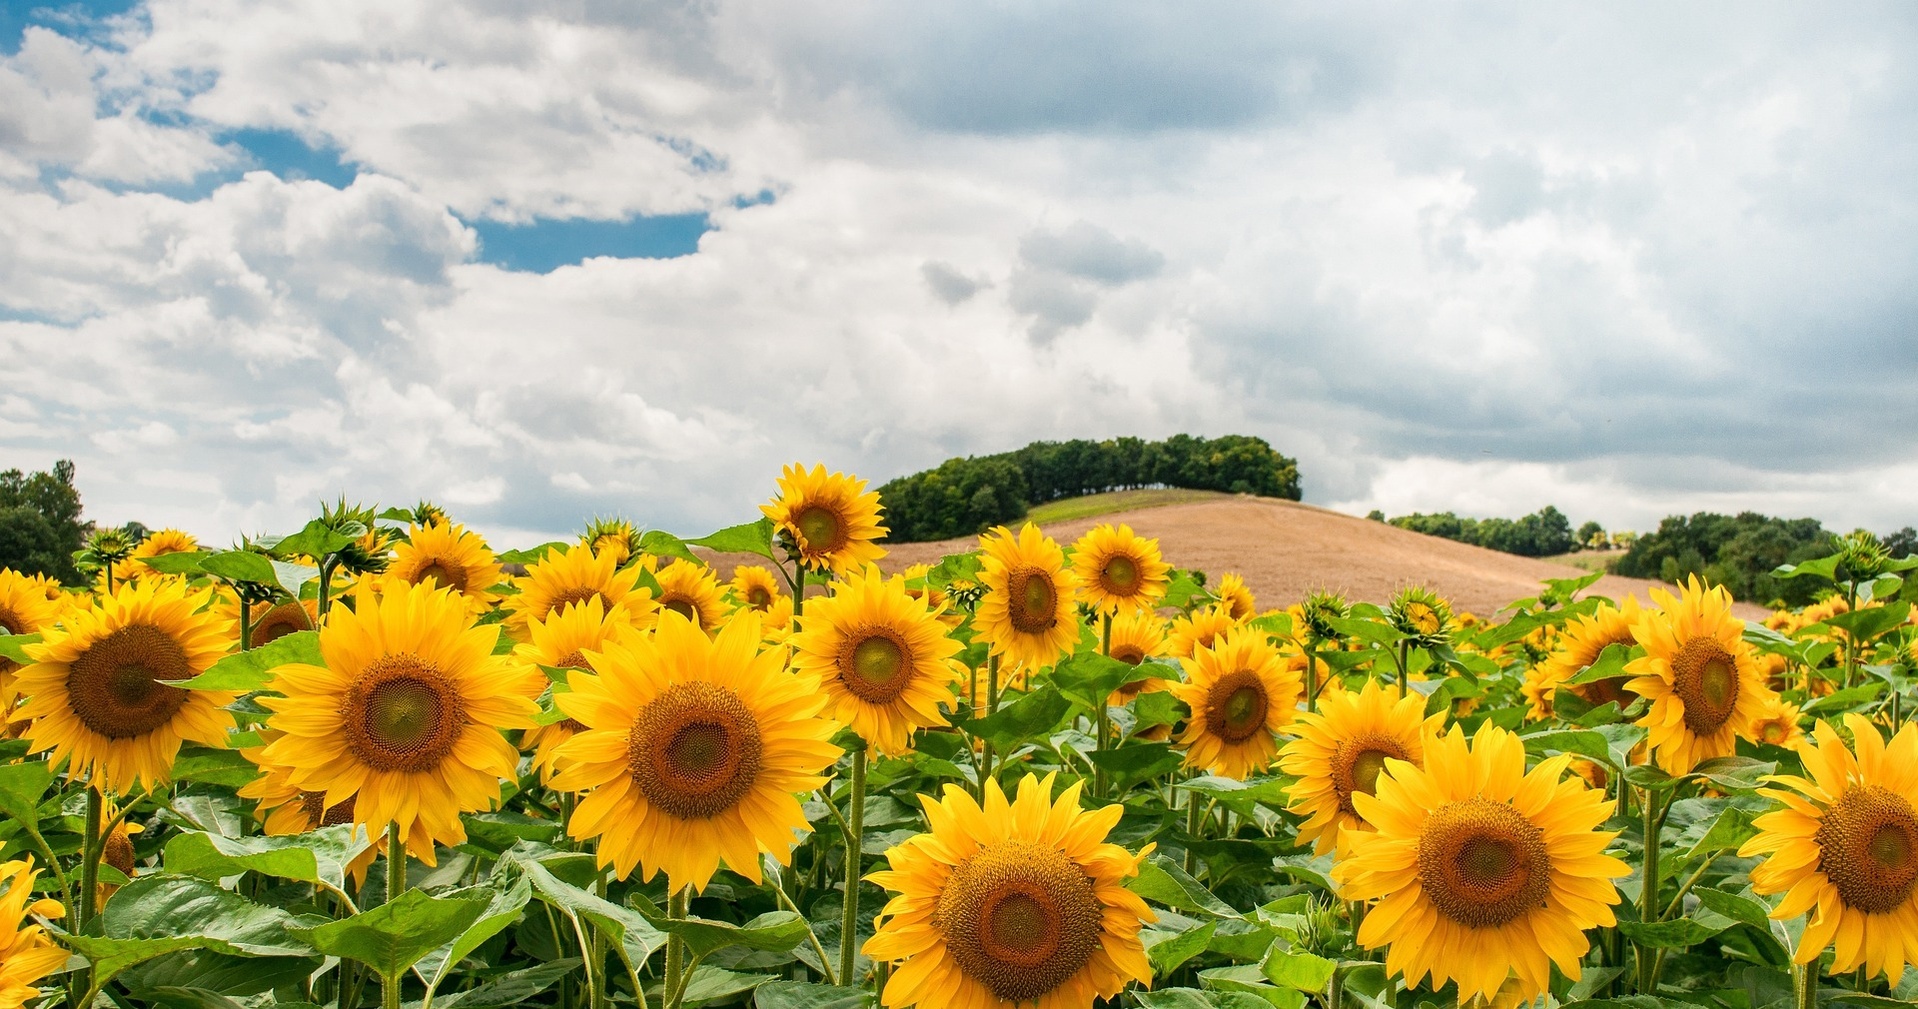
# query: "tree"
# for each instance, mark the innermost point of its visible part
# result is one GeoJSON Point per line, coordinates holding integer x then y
{"type": "Point", "coordinates": [40, 525]}
{"type": "Point", "coordinates": [1591, 536]}
{"type": "Point", "coordinates": [1738, 552]}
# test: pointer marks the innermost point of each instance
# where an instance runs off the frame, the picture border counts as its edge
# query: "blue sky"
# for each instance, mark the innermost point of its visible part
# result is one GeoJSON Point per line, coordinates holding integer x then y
{"type": "Point", "coordinates": [1630, 261]}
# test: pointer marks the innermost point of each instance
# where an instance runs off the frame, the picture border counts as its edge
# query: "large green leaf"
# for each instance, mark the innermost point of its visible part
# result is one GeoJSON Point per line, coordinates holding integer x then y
{"type": "Point", "coordinates": [1734, 774]}
{"type": "Point", "coordinates": [163, 905]}
{"type": "Point", "coordinates": [800, 995]}
{"type": "Point", "coordinates": [14, 647]}
{"type": "Point", "coordinates": [1677, 933]}
{"type": "Point", "coordinates": [661, 543]}
{"type": "Point", "coordinates": [1167, 950]}
{"type": "Point", "coordinates": [1028, 717]}
{"type": "Point", "coordinates": [773, 932]}
{"type": "Point", "coordinates": [193, 978]}
{"type": "Point", "coordinates": [1163, 880]}
{"type": "Point", "coordinates": [1089, 678]}
{"type": "Point", "coordinates": [394, 936]}
{"type": "Point", "coordinates": [1296, 968]}
{"type": "Point", "coordinates": [1135, 762]}
{"type": "Point", "coordinates": [316, 540]}
{"type": "Point", "coordinates": [503, 908]}
{"type": "Point", "coordinates": [512, 988]}
{"type": "Point", "coordinates": [633, 936]}
{"type": "Point", "coordinates": [319, 856]}
{"type": "Point", "coordinates": [1609, 665]}
{"type": "Point", "coordinates": [21, 786]}
{"type": "Point", "coordinates": [1583, 742]}
{"type": "Point", "coordinates": [226, 768]}
{"type": "Point", "coordinates": [1868, 623]}
{"type": "Point", "coordinates": [709, 983]}
{"type": "Point", "coordinates": [252, 670]}
{"type": "Point", "coordinates": [749, 538]}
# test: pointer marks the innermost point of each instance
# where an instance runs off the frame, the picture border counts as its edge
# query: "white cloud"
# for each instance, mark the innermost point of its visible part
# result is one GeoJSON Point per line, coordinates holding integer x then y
{"type": "Point", "coordinates": [1455, 261]}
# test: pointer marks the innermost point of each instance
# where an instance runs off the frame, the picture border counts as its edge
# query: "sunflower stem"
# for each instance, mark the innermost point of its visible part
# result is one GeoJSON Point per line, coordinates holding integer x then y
{"type": "Point", "coordinates": [1648, 909]}
{"type": "Point", "coordinates": [1404, 656]}
{"type": "Point", "coordinates": [855, 823]}
{"type": "Point", "coordinates": [1311, 676]}
{"type": "Point", "coordinates": [246, 621]}
{"type": "Point", "coordinates": [1192, 825]}
{"type": "Point", "coordinates": [395, 862]}
{"type": "Point", "coordinates": [1804, 985]}
{"type": "Point", "coordinates": [324, 598]}
{"type": "Point", "coordinates": [676, 906]}
{"type": "Point", "coordinates": [992, 705]}
{"type": "Point", "coordinates": [90, 859]}
{"type": "Point", "coordinates": [1335, 989]}
{"type": "Point", "coordinates": [1102, 723]}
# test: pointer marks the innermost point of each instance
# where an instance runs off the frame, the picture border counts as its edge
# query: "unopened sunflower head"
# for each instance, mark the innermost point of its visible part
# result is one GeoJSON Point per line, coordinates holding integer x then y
{"type": "Point", "coordinates": [1423, 616]}
{"type": "Point", "coordinates": [1319, 610]}
{"type": "Point", "coordinates": [612, 535]}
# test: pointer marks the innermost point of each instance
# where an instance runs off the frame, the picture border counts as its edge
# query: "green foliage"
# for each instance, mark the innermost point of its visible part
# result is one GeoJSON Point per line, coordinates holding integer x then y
{"type": "Point", "coordinates": [1739, 552]}
{"type": "Point", "coordinates": [40, 527]}
{"type": "Point", "coordinates": [1543, 533]}
{"type": "Point", "coordinates": [965, 496]}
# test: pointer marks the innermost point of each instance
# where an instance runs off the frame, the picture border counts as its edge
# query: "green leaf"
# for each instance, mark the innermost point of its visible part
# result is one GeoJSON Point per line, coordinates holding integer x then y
{"type": "Point", "coordinates": [183, 563]}
{"type": "Point", "coordinates": [1734, 774]}
{"type": "Point", "coordinates": [1846, 699]}
{"type": "Point", "coordinates": [1737, 907]}
{"type": "Point", "coordinates": [1675, 934]}
{"type": "Point", "coordinates": [1609, 665]}
{"type": "Point", "coordinates": [773, 932]}
{"type": "Point", "coordinates": [1728, 830]}
{"type": "Point", "coordinates": [1175, 998]}
{"type": "Point", "coordinates": [21, 786]}
{"type": "Point", "coordinates": [532, 555]}
{"type": "Point", "coordinates": [1872, 621]}
{"type": "Point", "coordinates": [163, 905]}
{"type": "Point", "coordinates": [1823, 567]}
{"type": "Point", "coordinates": [1372, 631]}
{"type": "Point", "coordinates": [800, 995]}
{"type": "Point", "coordinates": [1295, 968]}
{"type": "Point", "coordinates": [1134, 762]}
{"type": "Point", "coordinates": [253, 670]}
{"type": "Point", "coordinates": [1163, 880]}
{"type": "Point", "coordinates": [512, 988]}
{"type": "Point", "coordinates": [318, 856]}
{"type": "Point", "coordinates": [1242, 797]}
{"type": "Point", "coordinates": [1167, 950]}
{"type": "Point", "coordinates": [709, 983]}
{"type": "Point", "coordinates": [1243, 980]}
{"type": "Point", "coordinates": [394, 936]}
{"type": "Point", "coordinates": [1584, 742]}
{"type": "Point", "coordinates": [1089, 678]}
{"type": "Point", "coordinates": [200, 977]}
{"type": "Point", "coordinates": [1650, 776]}
{"type": "Point", "coordinates": [1183, 590]}
{"type": "Point", "coordinates": [226, 768]}
{"type": "Point", "coordinates": [1028, 717]}
{"type": "Point", "coordinates": [317, 540]}
{"type": "Point", "coordinates": [14, 647]}
{"type": "Point", "coordinates": [633, 936]}
{"type": "Point", "coordinates": [661, 543]}
{"type": "Point", "coordinates": [749, 538]}
{"type": "Point", "coordinates": [503, 908]}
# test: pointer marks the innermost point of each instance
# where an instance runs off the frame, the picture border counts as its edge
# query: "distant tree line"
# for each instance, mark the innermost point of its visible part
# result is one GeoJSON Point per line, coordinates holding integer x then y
{"type": "Point", "coordinates": [962, 497]}
{"type": "Point", "coordinates": [1738, 552]}
{"type": "Point", "coordinates": [1541, 534]}
{"type": "Point", "coordinates": [40, 526]}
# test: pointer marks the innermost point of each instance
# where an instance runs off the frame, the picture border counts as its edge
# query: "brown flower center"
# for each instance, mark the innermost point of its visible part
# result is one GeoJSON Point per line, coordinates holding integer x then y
{"type": "Point", "coordinates": [875, 664]}
{"type": "Point", "coordinates": [402, 715]}
{"type": "Point", "coordinates": [1705, 677]}
{"type": "Point", "coordinates": [1868, 846]}
{"type": "Point", "coordinates": [114, 687]}
{"type": "Point", "coordinates": [1235, 707]}
{"type": "Point", "coordinates": [821, 530]}
{"type": "Point", "coordinates": [1357, 762]}
{"type": "Point", "coordinates": [1599, 693]}
{"type": "Point", "coordinates": [1128, 653]}
{"type": "Point", "coordinates": [695, 750]}
{"type": "Point", "coordinates": [580, 594]}
{"type": "Point", "coordinates": [447, 574]}
{"type": "Point", "coordinates": [1482, 863]}
{"type": "Point", "coordinates": [1120, 576]}
{"type": "Point", "coordinates": [1020, 918]}
{"type": "Point", "coordinates": [278, 622]}
{"type": "Point", "coordinates": [758, 598]}
{"type": "Point", "coordinates": [1032, 601]}
{"type": "Point", "coordinates": [312, 806]}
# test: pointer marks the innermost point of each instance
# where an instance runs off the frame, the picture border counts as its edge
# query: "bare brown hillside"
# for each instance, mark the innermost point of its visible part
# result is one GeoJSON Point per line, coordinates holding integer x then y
{"type": "Point", "coordinates": [1284, 550]}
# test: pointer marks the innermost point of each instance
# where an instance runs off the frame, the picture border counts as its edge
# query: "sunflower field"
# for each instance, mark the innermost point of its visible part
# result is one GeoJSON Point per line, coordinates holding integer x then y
{"type": "Point", "coordinates": [374, 761]}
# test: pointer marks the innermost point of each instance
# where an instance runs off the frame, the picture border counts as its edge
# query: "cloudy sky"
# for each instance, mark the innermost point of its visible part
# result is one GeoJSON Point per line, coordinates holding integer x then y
{"type": "Point", "coordinates": [632, 257]}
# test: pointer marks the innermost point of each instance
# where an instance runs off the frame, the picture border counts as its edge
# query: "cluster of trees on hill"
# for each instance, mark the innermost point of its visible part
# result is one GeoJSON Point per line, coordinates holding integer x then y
{"type": "Point", "coordinates": [1736, 551]}
{"type": "Point", "coordinates": [962, 497]}
{"type": "Point", "coordinates": [1541, 534]}
{"type": "Point", "coordinates": [40, 526]}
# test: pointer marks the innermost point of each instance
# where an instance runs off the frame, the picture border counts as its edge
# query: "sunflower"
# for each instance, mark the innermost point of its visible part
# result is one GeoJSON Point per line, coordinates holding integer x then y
{"type": "Point", "coordinates": [1241, 692]}
{"type": "Point", "coordinates": [1480, 869]}
{"type": "Point", "coordinates": [1118, 569]}
{"type": "Point", "coordinates": [404, 717]}
{"type": "Point", "coordinates": [573, 575]}
{"type": "Point", "coordinates": [1845, 846]}
{"type": "Point", "coordinates": [27, 953]}
{"type": "Point", "coordinates": [273, 621]}
{"type": "Point", "coordinates": [96, 691]}
{"type": "Point", "coordinates": [24, 609]}
{"type": "Point", "coordinates": [1196, 630]}
{"type": "Point", "coordinates": [1012, 903]}
{"type": "Point", "coordinates": [754, 587]}
{"type": "Point", "coordinates": [1136, 637]}
{"type": "Point", "coordinates": [615, 536]}
{"type": "Point", "coordinates": [692, 591]}
{"type": "Point", "coordinates": [450, 557]}
{"type": "Point", "coordinates": [1701, 677]}
{"type": "Point", "coordinates": [691, 750]}
{"type": "Point", "coordinates": [1342, 747]}
{"type": "Point", "coordinates": [1578, 647]}
{"type": "Point", "coordinates": [1235, 599]}
{"type": "Point", "coordinates": [157, 543]}
{"type": "Point", "coordinates": [831, 519]}
{"type": "Point", "coordinates": [116, 850]}
{"type": "Point", "coordinates": [883, 657]}
{"type": "Point", "coordinates": [1421, 615]}
{"type": "Point", "coordinates": [1026, 613]}
{"type": "Point", "coordinates": [1776, 724]}
{"type": "Point", "coordinates": [565, 639]}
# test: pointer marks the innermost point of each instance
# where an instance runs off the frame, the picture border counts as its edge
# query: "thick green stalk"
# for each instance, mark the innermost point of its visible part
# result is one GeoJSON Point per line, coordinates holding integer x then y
{"type": "Point", "coordinates": [676, 906]}
{"type": "Point", "coordinates": [395, 885]}
{"type": "Point", "coordinates": [1193, 822]}
{"type": "Point", "coordinates": [326, 584]}
{"type": "Point", "coordinates": [992, 705]}
{"type": "Point", "coordinates": [1335, 989]}
{"type": "Point", "coordinates": [1102, 722]}
{"type": "Point", "coordinates": [1311, 677]}
{"type": "Point", "coordinates": [1804, 985]}
{"type": "Point", "coordinates": [855, 824]}
{"type": "Point", "coordinates": [90, 859]}
{"type": "Point", "coordinates": [1405, 669]}
{"type": "Point", "coordinates": [1648, 907]}
{"type": "Point", "coordinates": [246, 621]}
